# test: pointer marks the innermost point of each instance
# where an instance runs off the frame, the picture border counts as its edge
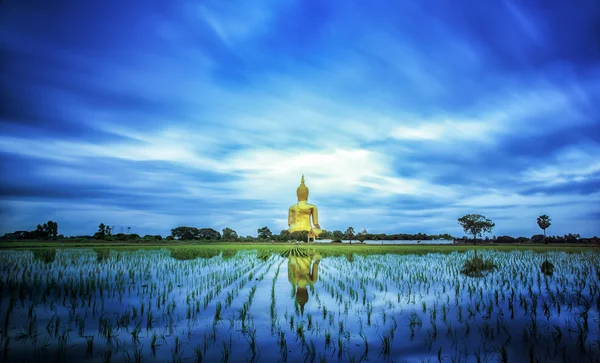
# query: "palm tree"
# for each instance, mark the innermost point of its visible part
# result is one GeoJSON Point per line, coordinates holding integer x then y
{"type": "Point", "coordinates": [128, 229]}
{"type": "Point", "coordinates": [544, 222]}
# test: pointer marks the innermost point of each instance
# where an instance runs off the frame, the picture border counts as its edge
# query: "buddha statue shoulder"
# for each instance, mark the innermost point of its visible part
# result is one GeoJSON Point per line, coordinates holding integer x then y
{"type": "Point", "coordinates": [301, 213]}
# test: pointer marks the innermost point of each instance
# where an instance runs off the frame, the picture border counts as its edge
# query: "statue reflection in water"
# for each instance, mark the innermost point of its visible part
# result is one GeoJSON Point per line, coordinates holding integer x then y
{"type": "Point", "coordinates": [303, 271]}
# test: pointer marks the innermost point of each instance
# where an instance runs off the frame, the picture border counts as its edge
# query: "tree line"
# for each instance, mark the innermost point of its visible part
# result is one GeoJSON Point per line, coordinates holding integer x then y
{"type": "Point", "coordinates": [475, 225]}
{"type": "Point", "coordinates": [48, 230]}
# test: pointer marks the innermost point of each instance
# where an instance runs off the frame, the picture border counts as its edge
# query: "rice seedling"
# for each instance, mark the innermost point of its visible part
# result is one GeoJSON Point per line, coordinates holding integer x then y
{"type": "Point", "coordinates": [226, 353]}
{"type": "Point", "coordinates": [128, 290]}
{"type": "Point", "coordinates": [177, 351]}
{"type": "Point", "coordinates": [385, 345]}
{"type": "Point", "coordinates": [198, 353]}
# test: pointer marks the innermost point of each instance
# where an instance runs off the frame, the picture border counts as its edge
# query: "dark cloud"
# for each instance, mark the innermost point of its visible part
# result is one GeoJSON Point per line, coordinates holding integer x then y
{"type": "Point", "coordinates": [47, 92]}
{"type": "Point", "coordinates": [526, 36]}
{"type": "Point", "coordinates": [62, 64]}
{"type": "Point", "coordinates": [590, 185]}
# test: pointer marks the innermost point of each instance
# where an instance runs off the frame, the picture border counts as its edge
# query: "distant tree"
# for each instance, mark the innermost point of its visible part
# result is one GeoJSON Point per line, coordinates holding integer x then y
{"type": "Point", "coordinates": [101, 233]}
{"type": "Point", "coordinates": [337, 234]}
{"type": "Point", "coordinates": [128, 230]}
{"type": "Point", "coordinates": [121, 237]}
{"type": "Point", "coordinates": [40, 232]}
{"type": "Point", "coordinates": [158, 237]}
{"type": "Point", "coordinates": [264, 233]}
{"type": "Point", "coordinates": [229, 234]}
{"type": "Point", "coordinates": [208, 233]}
{"type": "Point", "coordinates": [571, 238]}
{"type": "Point", "coordinates": [543, 222]}
{"type": "Point", "coordinates": [300, 236]}
{"type": "Point", "coordinates": [185, 233]}
{"type": "Point", "coordinates": [325, 234]}
{"type": "Point", "coordinates": [170, 238]}
{"type": "Point", "coordinates": [475, 224]}
{"type": "Point", "coordinates": [538, 238]}
{"type": "Point", "coordinates": [362, 235]}
{"type": "Point", "coordinates": [285, 235]}
{"type": "Point", "coordinates": [50, 229]}
{"type": "Point", "coordinates": [349, 233]}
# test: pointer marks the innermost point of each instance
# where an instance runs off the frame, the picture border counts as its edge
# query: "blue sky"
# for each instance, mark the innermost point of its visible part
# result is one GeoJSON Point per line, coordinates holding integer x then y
{"type": "Point", "coordinates": [402, 115]}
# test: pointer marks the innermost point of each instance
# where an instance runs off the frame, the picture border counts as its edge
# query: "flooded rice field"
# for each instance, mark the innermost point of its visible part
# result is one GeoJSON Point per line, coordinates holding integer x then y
{"type": "Point", "coordinates": [156, 305]}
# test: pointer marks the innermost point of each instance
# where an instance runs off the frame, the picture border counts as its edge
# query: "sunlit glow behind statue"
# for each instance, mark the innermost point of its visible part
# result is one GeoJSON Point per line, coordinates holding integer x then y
{"type": "Point", "coordinates": [299, 214]}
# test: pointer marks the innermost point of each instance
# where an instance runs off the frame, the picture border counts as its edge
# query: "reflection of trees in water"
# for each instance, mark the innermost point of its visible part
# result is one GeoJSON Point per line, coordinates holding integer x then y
{"type": "Point", "coordinates": [102, 254]}
{"type": "Point", "coordinates": [303, 271]}
{"type": "Point", "coordinates": [183, 253]}
{"type": "Point", "coordinates": [45, 255]}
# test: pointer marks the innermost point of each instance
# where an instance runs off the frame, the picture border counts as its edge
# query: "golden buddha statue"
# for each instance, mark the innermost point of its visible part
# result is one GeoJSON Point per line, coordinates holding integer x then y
{"type": "Point", "coordinates": [300, 213]}
{"type": "Point", "coordinates": [301, 275]}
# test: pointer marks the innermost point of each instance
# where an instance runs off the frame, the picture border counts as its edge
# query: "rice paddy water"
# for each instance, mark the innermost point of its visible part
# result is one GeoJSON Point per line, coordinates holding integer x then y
{"type": "Point", "coordinates": [158, 305]}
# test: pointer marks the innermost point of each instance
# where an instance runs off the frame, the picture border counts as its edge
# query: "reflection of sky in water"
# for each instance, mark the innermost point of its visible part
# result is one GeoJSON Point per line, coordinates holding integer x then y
{"type": "Point", "coordinates": [352, 300]}
{"type": "Point", "coordinates": [392, 242]}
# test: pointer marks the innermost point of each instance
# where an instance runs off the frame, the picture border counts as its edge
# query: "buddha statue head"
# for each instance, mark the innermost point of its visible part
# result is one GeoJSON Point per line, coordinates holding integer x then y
{"type": "Point", "coordinates": [302, 191]}
{"type": "Point", "coordinates": [302, 298]}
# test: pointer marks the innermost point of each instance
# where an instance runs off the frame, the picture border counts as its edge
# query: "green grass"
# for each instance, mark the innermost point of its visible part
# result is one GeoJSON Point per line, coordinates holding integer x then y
{"type": "Point", "coordinates": [195, 249]}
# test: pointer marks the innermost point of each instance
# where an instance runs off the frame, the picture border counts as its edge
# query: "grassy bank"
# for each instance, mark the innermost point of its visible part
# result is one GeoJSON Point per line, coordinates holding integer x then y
{"type": "Point", "coordinates": [326, 249]}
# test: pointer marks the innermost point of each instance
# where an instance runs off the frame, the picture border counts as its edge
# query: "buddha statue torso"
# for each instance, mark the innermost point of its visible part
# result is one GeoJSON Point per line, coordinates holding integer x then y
{"type": "Point", "coordinates": [300, 214]}
{"type": "Point", "coordinates": [299, 217]}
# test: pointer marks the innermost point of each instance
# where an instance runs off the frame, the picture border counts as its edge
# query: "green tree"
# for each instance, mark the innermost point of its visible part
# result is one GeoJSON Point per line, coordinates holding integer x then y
{"type": "Point", "coordinates": [229, 234]}
{"type": "Point", "coordinates": [349, 233]}
{"type": "Point", "coordinates": [185, 233]}
{"type": "Point", "coordinates": [51, 229]}
{"type": "Point", "coordinates": [363, 235]}
{"type": "Point", "coordinates": [325, 234]}
{"type": "Point", "coordinates": [41, 231]}
{"type": "Point", "coordinates": [264, 233]}
{"type": "Point", "coordinates": [101, 233]}
{"type": "Point", "coordinates": [337, 235]}
{"type": "Point", "coordinates": [208, 233]}
{"type": "Point", "coordinates": [543, 222]}
{"type": "Point", "coordinates": [285, 235]}
{"type": "Point", "coordinates": [476, 224]}
{"type": "Point", "coordinates": [301, 236]}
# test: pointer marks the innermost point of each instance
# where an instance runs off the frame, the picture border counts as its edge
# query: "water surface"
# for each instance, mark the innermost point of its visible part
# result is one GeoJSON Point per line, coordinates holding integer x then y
{"type": "Point", "coordinates": [98, 306]}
